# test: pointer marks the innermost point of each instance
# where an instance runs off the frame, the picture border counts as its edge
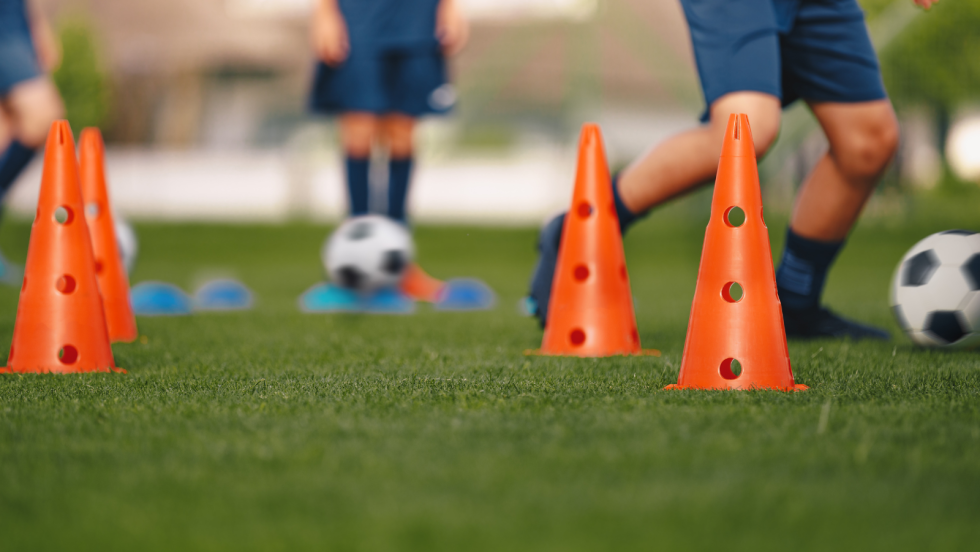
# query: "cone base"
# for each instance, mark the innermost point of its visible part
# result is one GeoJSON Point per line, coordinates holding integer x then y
{"type": "Point", "coordinates": [61, 370]}
{"type": "Point", "coordinates": [795, 387]}
{"type": "Point", "coordinates": [641, 352]}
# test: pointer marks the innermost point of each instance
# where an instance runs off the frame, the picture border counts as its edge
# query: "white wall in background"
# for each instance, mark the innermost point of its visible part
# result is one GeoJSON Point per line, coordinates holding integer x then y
{"type": "Point", "coordinates": [269, 186]}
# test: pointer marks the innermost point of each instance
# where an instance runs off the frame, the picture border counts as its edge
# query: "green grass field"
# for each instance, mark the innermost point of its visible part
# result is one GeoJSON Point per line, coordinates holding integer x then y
{"type": "Point", "coordinates": [275, 430]}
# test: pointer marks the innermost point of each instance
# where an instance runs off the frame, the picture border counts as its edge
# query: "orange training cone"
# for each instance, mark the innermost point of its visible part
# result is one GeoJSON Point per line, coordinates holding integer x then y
{"type": "Point", "coordinates": [736, 315]}
{"type": "Point", "coordinates": [60, 323]}
{"type": "Point", "coordinates": [591, 307]}
{"type": "Point", "coordinates": [113, 281]}
{"type": "Point", "coordinates": [418, 285]}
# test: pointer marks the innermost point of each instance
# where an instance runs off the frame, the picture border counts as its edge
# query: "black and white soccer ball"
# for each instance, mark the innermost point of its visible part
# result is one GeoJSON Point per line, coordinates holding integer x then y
{"type": "Point", "coordinates": [367, 253]}
{"type": "Point", "coordinates": [127, 243]}
{"type": "Point", "coordinates": [935, 292]}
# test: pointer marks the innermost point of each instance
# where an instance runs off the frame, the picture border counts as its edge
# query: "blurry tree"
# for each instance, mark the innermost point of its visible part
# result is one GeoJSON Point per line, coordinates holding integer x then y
{"type": "Point", "coordinates": [936, 60]}
{"type": "Point", "coordinates": [81, 77]}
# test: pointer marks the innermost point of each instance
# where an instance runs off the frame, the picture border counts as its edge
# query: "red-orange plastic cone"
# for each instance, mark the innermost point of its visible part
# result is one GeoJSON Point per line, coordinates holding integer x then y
{"type": "Point", "coordinates": [590, 312]}
{"type": "Point", "coordinates": [113, 281]}
{"type": "Point", "coordinates": [60, 323]}
{"type": "Point", "coordinates": [735, 337]}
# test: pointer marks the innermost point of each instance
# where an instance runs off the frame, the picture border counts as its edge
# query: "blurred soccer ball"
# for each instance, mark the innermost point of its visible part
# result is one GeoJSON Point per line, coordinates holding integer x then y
{"type": "Point", "coordinates": [367, 253]}
{"type": "Point", "coordinates": [128, 244]}
{"type": "Point", "coordinates": [935, 292]}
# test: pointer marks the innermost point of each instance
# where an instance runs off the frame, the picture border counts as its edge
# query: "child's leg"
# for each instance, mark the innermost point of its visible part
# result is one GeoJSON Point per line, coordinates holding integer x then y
{"type": "Point", "coordinates": [398, 133]}
{"type": "Point", "coordinates": [690, 159]}
{"type": "Point", "coordinates": [358, 132]}
{"type": "Point", "coordinates": [31, 107]}
{"type": "Point", "coordinates": [863, 137]}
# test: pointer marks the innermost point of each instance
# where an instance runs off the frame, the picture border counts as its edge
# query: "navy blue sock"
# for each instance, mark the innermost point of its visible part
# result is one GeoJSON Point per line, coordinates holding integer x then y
{"type": "Point", "coordinates": [12, 162]}
{"type": "Point", "coordinates": [626, 217]}
{"type": "Point", "coordinates": [399, 178]}
{"type": "Point", "coordinates": [803, 270]}
{"type": "Point", "coordinates": [357, 185]}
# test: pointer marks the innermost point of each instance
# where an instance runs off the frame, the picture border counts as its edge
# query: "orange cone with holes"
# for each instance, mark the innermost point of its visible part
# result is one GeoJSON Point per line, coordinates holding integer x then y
{"type": "Point", "coordinates": [60, 323]}
{"type": "Point", "coordinates": [590, 312]}
{"type": "Point", "coordinates": [735, 337]}
{"type": "Point", "coordinates": [113, 281]}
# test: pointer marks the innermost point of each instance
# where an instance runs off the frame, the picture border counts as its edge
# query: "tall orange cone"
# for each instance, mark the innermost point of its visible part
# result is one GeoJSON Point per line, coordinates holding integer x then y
{"type": "Point", "coordinates": [736, 315]}
{"type": "Point", "coordinates": [60, 323]}
{"type": "Point", "coordinates": [113, 281]}
{"type": "Point", "coordinates": [591, 307]}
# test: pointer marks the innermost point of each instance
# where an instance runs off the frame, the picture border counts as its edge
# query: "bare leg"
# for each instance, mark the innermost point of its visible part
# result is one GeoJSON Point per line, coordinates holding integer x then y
{"type": "Point", "coordinates": [28, 111]}
{"type": "Point", "coordinates": [690, 159]}
{"type": "Point", "coordinates": [398, 131]}
{"type": "Point", "coordinates": [863, 138]}
{"type": "Point", "coordinates": [32, 106]}
{"type": "Point", "coordinates": [358, 132]}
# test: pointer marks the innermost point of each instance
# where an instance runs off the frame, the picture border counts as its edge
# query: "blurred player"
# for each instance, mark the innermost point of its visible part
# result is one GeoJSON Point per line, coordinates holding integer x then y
{"type": "Point", "coordinates": [382, 66]}
{"type": "Point", "coordinates": [29, 101]}
{"type": "Point", "coordinates": [756, 57]}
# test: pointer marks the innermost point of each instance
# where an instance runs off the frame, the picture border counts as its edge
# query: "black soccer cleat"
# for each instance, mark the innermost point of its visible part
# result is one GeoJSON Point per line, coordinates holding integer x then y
{"type": "Point", "coordinates": [549, 242]}
{"type": "Point", "coordinates": [821, 322]}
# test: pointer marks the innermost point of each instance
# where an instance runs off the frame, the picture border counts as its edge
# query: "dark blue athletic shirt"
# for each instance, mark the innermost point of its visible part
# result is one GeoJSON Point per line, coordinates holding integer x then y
{"type": "Point", "coordinates": [390, 23]}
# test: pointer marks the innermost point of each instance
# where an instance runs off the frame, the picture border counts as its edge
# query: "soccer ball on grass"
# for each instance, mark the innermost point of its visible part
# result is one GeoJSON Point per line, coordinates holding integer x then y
{"type": "Point", "coordinates": [367, 253]}
{"type": "Point", "coordinates": [935, 292]}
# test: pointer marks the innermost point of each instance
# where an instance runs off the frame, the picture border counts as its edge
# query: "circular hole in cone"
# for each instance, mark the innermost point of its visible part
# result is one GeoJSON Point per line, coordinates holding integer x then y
{"type": "Point", "coordinates": [581, 273]}
{"type": "Point", "coordinates": [584, 209]}
{"type": "Point", "coordinates": [98, 266]}
{"type": "Point", "coordinates": [23, 286]}
{"type": "Point", "coordinates": [68, 354]}
{"type": "Point", "coordinates": [734, 216]}
{"type": "Point", "coordinates": [636, 336]}
{"type": "Point", "coordinates": [92, 209]}
{"type": "Point", "coordinates": [577, 336]}
{"type": "Point", "coordinates": [762, 216]}
{"type": "Point", "coordinates": [622, 272]}
{"type": "Point", "coordinates": [63, 215]}
{"type": "Point", "coordinates": [732, 292]}
{"type": "Point", "coordinates": [65, 284]}
{"type": "Point", "coordinates": [730, 368]}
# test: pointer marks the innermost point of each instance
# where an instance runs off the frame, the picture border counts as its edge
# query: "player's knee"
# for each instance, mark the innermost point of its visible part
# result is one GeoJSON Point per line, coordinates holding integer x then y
{"type": "Point", "coordinates": [34, 117]}
{"type": "Point", "coordinates": [866, 152]}
{"type": "Point", "coordinates": [399, 136]}
{"type": "Point", "coordinates": [765, 130]}
{"type": "Point", "coordinates": [358, 141]}
{"type": "Point", "coordinates": [763, 110]}
{"type": "Point", "coordinates": [400, 145]}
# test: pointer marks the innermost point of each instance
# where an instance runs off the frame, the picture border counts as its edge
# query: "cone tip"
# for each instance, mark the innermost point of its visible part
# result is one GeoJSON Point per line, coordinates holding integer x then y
{"type": "Point", "coordinates": [59, 133]}
{"type": "Point", "coordinates": [90, 139]}
{"type": "Point", "coordinates": [591, 136]}
{"type": "Point", "coordinates": [91, 133]}
{"type": "Point", "coordinates": [738, 137]}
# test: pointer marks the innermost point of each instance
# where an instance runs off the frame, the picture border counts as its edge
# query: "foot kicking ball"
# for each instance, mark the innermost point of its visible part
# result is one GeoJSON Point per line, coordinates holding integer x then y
{"type": "Point", "coordinates": [368, 253]}
{"type": "Point", "coordinates": [128, 244]}
{"type": "Point", "coordinates": [935, 292]}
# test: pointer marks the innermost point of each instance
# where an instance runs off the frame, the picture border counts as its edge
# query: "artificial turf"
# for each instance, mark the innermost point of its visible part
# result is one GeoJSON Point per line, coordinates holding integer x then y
{"type": "Point", "coordinates": [275, 430]}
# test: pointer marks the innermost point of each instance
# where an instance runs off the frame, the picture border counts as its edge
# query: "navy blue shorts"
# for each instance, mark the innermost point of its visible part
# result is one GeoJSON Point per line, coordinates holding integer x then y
{"type": "Point", "coordinates": [409, 81]}
{"type": "Point", "coordinates": [816, 50]}
{"type": "Point", "coordinates": [18, 61]}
